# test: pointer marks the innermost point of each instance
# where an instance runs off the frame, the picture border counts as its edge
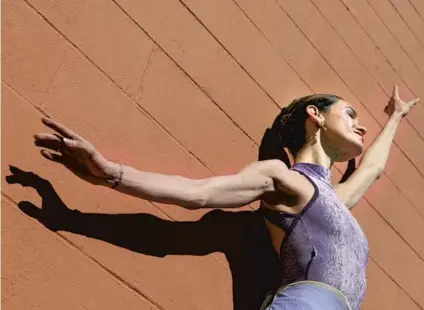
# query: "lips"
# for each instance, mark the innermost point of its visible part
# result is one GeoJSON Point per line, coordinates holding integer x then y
{"type": "Point", "coordinates": [360, 136]}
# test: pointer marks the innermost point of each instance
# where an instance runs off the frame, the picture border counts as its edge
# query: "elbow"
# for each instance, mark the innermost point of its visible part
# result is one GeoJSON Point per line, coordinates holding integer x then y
{"type": "Point", "coordinates": [198, 197]}
{"type": "Point", "coordinates": [379, 170]}
{"type": "Point", "coordinates": [198, 202]}
{"type": "Point", "coordinates": [373, 171]}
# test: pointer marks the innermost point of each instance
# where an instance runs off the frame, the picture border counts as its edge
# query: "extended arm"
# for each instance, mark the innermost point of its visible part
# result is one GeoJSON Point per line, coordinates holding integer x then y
{"type": "Point", "coordinates": [249, 184]}
{"type": "Point", "coordinates": [375, 158]}
{"type": "Point", "coordinates": [228, 191]}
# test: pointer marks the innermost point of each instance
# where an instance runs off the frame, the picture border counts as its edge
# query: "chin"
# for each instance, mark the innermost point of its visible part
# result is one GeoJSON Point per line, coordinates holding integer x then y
{"type": "Point", "coordinates": [352, 150]}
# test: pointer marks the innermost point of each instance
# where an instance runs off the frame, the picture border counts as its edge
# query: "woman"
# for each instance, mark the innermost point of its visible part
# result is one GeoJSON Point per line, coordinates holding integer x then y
{"type": "Point", "coordinates": [323, 250]}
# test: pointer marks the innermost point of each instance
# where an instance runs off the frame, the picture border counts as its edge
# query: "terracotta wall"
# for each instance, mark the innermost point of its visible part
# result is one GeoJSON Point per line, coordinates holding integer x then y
{"type": "Point", "coordinates": [187, 87]}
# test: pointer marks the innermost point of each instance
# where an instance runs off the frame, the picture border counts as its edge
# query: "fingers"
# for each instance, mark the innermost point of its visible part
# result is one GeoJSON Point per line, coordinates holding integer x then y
{"type": "Point", "coordinates": [47, 137]}
{"type": "Point", "coordinates": [24, 178]}
{"type": "Point", "coordinates": [414, 102]}
{"type": "Point", "coordinates": [52, 142]}
{"type": "Point", "coordinates": [52, 156]}
{"type": "Point", "coordinates": [388, 109]}
{"type": "Point", "coordinates": [54, 146]}
{"type": "Point", "coordinates": [55, 142]}
{"type": "Point", "coordinates": [61, 129]}
{"type": "Point", "coordinates": [396, 92]}
{"type": "Point", "coordinates": [15, 170]}
{"type": "Point", "coordinates": [72, 144]}
{"type": "Point", "coordinates": [30, 209]}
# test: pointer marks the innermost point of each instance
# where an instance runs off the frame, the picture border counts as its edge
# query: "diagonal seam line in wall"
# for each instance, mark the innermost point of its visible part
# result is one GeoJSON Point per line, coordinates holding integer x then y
{"type": "Point", "coordinates": [406, 23]}
{"type": "Point", "coordinates": [164, 213]}
{"type": "Point", "coordinates": [136, 104]}
{"type": "Point", "coordinates": [347, 85]}
{"type": "Point", "coordinates": [146, 112]}
{"type": "Point", "coordinates": [182, 70]}
{"type": "Point", "coordinates": [229, 53]}
{"type": "Point", "coordinates": [382, 54]}
{"type": "Point", "coordinates": [416, 10]}
{"type": "Point", "coordinates": [394, 37]}
{"type": "Point", "coordinates": [106, 268]}
{"type": "Point", "coordinates": [400, 236]}
{"type": "Point", "coordinates": [365, 67]}
{"type": "Point", "coordinates": [140, 108]}
{"type": "Point", "coordinates": [397, 284]}
{"type": "Point", "coordinates": [41, 111]}
{"type": "Point", "coordinates": [245, 14]}
{"type": "Point", "coordinates": [272, 45]}
{"type": "Point", "coordinates": [133, 289]}
{"type": "Point", "coordinates": [359, 101]}
{"type": "Point", "coordinates": [386, 94]}
{"type": "Point", "coordinates": [371, 75]}
{"type": "Point", "coordinates": [403, 152]}
{"type": "Point", "coordinates": [410, 160]}
{"type": "Point", "coordinates": [419, 212]}
{"type": "Point", "coordinates": [168, 56]}
{"type": "Point", "coordinates": [110, 273]}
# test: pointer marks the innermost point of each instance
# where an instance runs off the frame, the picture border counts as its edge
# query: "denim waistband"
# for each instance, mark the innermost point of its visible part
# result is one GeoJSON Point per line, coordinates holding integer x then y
{"type": "Point", "coordinates": [332, 289]}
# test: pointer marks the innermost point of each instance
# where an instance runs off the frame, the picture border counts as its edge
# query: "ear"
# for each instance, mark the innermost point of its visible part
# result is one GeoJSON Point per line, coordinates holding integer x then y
{"type": "Point", "coordinates": [314, 115]}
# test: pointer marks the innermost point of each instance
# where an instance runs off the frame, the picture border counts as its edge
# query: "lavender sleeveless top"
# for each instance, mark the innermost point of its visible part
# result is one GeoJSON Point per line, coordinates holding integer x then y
{"type": "Point", "coordinates": [324, 242]}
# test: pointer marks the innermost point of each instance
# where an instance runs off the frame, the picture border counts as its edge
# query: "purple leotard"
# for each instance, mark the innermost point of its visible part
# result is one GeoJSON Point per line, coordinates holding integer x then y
{"type": "Point", "coordinates": [324, 243]}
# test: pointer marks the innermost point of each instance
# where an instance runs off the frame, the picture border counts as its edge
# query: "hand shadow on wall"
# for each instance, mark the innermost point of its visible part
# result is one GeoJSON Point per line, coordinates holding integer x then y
{"type": "Point", "coordinates": [241, 236]}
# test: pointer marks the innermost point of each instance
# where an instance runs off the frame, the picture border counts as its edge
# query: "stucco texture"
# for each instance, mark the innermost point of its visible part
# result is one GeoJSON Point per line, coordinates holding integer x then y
{"type": "Point", "coordinates": [188, 87]}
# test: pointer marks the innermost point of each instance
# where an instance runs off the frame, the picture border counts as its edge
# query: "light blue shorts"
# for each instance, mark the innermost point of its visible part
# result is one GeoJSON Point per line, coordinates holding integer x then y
{"type": "Point", "coordinates": [307, 295]}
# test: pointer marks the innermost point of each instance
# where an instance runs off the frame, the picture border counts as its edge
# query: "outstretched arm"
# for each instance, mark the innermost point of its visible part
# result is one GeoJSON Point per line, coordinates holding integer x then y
{"type": "Point", "coordinates": [249, 184]}
{"type": "Point", "coordinates": [228, 191]}
{"type": "Point", "coordinates": [375, 157]}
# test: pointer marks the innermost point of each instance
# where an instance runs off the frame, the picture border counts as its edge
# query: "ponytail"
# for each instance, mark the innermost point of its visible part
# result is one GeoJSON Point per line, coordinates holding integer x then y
{"type": "Point", "coordinates": [351, 167]}
{"type": "Point", "coordinates": [271, 147]}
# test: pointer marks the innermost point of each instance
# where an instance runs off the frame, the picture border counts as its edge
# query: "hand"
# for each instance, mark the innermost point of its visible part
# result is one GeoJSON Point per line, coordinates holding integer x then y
{"type": "Point", "coordinates": [75, 153]}
{"type": "Point", "coordinates": [53, 214]}
{"type": "Point", "coordinates": [397, 106]}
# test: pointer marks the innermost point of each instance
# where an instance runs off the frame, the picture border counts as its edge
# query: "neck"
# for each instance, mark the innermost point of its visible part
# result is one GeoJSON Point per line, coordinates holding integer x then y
{"type": "Point", "coordinates": [315, 154]}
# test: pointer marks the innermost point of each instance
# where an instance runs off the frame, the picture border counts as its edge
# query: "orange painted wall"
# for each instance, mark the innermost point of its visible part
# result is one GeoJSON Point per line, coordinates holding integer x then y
{"type": "Point", "coordinates": [188, 87]}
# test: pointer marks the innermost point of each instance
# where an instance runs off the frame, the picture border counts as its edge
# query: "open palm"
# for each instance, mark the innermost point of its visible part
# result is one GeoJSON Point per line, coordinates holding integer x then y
{"type": "Point", "coordinates": [75, 153]}
{"type": "Point", "coordinates": [397, 105]}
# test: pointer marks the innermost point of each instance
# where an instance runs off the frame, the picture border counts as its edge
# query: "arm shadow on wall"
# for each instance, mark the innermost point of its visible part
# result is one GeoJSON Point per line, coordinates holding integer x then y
{"type": "Point", "coordinates": [241, 236]}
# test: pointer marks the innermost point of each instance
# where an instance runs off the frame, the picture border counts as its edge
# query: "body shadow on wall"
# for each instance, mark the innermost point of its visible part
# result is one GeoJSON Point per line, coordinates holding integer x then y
{"type": "Point", "coordinates": [241, 236]}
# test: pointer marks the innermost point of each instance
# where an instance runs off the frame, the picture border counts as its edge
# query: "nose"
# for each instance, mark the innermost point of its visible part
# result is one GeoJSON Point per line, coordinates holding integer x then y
{"type": "Point", "coordinates": [362, 129]}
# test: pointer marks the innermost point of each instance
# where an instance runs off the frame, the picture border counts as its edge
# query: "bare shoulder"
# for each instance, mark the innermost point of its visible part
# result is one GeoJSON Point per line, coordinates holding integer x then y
{"type": "Point", "coordinates": [291, 190]}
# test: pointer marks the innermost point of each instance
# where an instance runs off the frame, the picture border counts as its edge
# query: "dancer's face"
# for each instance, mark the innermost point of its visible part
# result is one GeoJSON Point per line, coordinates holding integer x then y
{"type": "Point", "coordinates": [343, 133]}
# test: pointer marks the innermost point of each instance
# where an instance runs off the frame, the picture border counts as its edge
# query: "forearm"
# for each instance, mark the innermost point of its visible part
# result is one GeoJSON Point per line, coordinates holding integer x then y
{"type": "Point", "coordinates": [227, 191]}
{"type": "Point", "coordinates": [377, 153]}
{"type": "Point", "coordinates": [169, 189]}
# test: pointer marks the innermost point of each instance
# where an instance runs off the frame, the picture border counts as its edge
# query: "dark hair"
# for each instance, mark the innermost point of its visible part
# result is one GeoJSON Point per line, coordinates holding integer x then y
{"type": "Point", "coordinates": [288, 130]}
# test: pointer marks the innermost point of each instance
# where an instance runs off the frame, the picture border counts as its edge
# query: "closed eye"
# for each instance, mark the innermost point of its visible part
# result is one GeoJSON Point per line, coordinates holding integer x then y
{"type": "Point", "coordinates": [352, 113]}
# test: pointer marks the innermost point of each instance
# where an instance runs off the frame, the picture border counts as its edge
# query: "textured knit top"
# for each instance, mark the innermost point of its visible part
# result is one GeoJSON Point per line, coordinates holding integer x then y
{"type": "Point", "coordinates": [324, 242]}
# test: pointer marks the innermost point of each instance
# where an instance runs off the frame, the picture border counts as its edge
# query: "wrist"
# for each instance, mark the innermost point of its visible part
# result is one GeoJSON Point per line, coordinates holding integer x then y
{"type": "Point", "coordinates": [113, 175]}
{"type": "Point", "coordinates": [396, 117]}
